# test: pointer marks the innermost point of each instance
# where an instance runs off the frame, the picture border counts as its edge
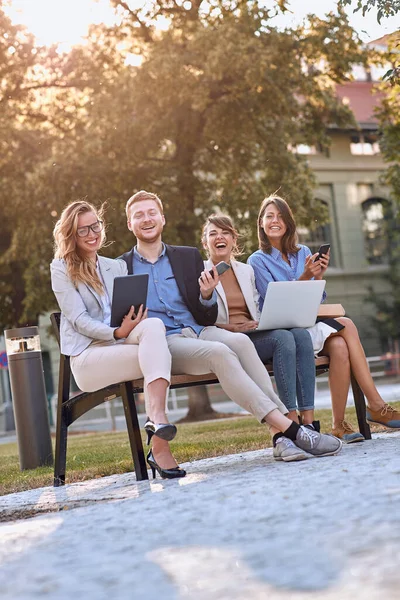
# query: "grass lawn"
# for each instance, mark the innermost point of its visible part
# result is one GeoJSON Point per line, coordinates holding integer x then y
{"type": "Point", "coordinates": [94, 455]}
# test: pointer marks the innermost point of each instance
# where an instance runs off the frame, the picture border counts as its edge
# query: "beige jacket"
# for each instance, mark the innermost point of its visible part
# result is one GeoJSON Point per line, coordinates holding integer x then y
{"type": "Point", "coordinates": [245, 276]}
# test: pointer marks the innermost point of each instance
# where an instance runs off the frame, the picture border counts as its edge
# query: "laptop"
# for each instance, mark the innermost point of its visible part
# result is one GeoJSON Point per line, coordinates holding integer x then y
{"type": "Point", "coordinates": [291, 304]}
{"type": "Point", "coordinates": [129, 290]}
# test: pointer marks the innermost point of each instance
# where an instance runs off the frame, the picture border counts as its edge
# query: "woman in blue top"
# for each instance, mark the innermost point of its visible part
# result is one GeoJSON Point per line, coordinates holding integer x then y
{"type": "Point", "coordinates": [281, 258]}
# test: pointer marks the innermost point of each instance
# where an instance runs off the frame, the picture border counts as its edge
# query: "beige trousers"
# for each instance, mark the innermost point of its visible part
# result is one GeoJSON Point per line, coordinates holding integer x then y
{"type": "Point", "coordinates": [233, 358]}
{"type": "Point", "coordinates": [144, 353]}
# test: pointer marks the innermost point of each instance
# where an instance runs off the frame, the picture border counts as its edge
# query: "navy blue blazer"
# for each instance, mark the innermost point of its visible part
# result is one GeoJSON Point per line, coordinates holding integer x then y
{"type": "Point", "coordinates": [187, 265]}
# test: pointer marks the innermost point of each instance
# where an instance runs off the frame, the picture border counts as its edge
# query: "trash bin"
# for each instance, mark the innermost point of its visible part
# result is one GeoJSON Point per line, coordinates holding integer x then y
{"type": "Point", "coordinates": [29, 397]}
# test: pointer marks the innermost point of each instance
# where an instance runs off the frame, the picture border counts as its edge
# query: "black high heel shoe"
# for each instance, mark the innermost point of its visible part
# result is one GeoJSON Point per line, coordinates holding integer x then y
{"type": "Point", "coordinates": [165, 431]}
{"type": "Point", "coordinates": [164, 473]}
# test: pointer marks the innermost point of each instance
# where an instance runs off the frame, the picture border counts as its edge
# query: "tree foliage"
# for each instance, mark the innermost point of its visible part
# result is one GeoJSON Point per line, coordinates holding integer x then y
{"type": "Point", "coordinates": [384, 8]}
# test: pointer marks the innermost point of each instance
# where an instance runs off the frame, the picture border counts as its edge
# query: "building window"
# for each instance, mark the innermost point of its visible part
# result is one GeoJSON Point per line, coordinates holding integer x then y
{"type": "Point", "coordinates": [314, 237]}
{"type": "Point", "coordinates": [373, 225]}
{"type": "Point", "coordinates": [364, 145]}
{"type": "Point", "coordinates": [305, 149]}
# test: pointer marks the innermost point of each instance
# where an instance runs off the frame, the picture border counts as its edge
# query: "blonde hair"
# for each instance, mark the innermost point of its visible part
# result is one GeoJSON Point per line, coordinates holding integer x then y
{"type": "Point", "coordinates": [139, 197]}
{"type": "Point", "coordinates": [79, 268]}
{"type": "Point", "coordinates": [223, 222]}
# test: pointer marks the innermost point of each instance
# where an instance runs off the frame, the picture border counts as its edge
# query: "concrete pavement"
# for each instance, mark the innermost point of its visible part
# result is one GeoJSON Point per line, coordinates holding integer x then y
{"type": "Point", "coordinates": [237, 527]}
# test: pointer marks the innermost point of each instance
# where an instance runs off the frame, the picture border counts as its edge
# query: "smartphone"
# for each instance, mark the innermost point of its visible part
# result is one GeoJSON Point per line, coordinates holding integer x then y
{"type": "Point", "coordinates": [322, 250]}
{"type": "Point", "coordinates": [221, 268]}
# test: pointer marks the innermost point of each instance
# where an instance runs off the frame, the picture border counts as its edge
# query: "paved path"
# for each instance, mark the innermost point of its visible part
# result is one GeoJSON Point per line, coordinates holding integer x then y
{"type": "Point", "coordinates": [241, 527]}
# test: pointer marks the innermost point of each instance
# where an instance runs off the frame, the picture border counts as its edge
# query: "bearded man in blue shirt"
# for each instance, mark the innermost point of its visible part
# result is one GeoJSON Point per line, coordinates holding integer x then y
{"type": "Point", "coordinates": [181, 294]}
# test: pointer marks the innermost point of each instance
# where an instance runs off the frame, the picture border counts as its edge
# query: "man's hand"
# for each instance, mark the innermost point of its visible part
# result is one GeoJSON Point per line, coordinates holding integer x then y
{"type": "Point", "coordinates": [129, 322]}
{"type": "Point", "coordinates": [208, 283]}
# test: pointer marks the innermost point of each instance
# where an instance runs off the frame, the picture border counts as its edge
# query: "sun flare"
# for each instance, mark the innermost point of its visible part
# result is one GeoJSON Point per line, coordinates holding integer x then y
{"type": "Point", "coordinates": [66, 22]}
{"type": "Point", "coordinates": [59, 21]}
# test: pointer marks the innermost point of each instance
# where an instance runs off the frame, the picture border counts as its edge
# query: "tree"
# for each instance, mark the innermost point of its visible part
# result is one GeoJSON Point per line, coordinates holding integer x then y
{"type": "Point", "coordinates": [39, 89]}
{"type": "Point", "coordinates": [222, 96]}
{"type": "Point", "coordinates": [17, 57]}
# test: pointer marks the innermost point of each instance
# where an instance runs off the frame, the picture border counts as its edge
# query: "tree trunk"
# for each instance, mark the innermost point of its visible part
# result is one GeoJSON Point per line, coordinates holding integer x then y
{"type": "Point", "coordinates": [199, 407]}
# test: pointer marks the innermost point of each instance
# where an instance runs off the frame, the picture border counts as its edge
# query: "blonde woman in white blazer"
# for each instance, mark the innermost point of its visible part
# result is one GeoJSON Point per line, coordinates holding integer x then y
{"type": "Point", "coordinates": [290, 350]}
{"type": "Point", "coordinates": [102, 355]}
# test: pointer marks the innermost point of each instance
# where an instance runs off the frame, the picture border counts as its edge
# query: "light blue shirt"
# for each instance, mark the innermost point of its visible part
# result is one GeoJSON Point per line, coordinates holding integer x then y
{"type": "Point", "coordinates": [273, 267]}
{"type": "Point", "coordinates": [164, 299]}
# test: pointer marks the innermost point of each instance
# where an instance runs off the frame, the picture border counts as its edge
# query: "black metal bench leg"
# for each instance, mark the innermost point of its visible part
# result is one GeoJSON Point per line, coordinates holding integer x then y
{"type": "Point", "coordinates": [135, 438]}
{"type": "Point", "coordinates": [359, 401]}
{"type": "Point", "coordinates": [61, 451]}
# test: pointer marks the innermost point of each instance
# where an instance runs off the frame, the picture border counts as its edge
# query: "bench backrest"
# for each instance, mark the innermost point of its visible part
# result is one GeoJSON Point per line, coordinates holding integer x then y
{"type": "Point", "coordinates": [64, 375]}
{"type": "Point", "coordinates": [55, 319]}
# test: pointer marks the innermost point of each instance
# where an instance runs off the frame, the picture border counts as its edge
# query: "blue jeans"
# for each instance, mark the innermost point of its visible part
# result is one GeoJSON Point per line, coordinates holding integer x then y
{"type": "Point", "coordinates": [292, 355]}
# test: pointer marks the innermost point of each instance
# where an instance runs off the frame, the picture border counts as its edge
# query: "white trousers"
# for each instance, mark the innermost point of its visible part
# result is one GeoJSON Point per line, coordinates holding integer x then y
{"type": "Point", "coordinates": [144, 353]}
{"type": "Point", "coordinates": [234, 359]}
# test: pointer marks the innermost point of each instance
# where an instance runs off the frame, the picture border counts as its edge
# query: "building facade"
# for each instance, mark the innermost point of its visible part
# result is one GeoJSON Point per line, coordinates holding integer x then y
{"type": "Point", "coordinates": [349, 187]}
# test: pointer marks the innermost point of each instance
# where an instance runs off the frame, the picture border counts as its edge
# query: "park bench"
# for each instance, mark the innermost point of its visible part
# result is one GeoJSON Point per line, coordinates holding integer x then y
{"type": "Point", "coordinates": [70, 408]}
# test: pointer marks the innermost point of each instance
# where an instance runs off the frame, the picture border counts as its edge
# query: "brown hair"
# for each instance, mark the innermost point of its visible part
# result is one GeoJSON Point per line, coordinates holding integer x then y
{"type": "Point", "coordinates": [139, 197]}
{"type": "Point", "coordinates": [223, 222]}
{"type": "Point", "coordinates": [80, 268]}
{"type": "Point", "coordinates": [290, 239]}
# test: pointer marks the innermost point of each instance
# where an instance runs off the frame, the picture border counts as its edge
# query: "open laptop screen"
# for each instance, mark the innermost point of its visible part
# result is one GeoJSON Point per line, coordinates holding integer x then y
{"type": "Point", "coordinates": [291, 304]}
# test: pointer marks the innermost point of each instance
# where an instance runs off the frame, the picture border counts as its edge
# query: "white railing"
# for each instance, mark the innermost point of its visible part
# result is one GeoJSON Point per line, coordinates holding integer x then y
{"type": "Point", "coordinates": [393, 371]}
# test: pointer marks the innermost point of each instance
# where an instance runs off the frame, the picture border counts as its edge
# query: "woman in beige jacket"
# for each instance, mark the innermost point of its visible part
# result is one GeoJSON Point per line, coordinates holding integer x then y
{"type": "Point", "coordinates": [290, 350]}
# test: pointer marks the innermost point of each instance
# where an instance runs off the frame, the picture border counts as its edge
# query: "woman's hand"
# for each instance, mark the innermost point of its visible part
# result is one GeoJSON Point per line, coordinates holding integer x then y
{"type": "Point", "coordinates": [246, 326]}
{"type": "Point", "coordinates": [129, 322]}
{"type": "Point", "coordinates": [239, 327]}
{"type": "Point", "coordinates": [208, 283]}
{"type": "Point", "coordinates": [311, 268]}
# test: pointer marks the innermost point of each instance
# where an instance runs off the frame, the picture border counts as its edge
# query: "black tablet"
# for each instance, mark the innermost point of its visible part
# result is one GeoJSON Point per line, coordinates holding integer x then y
{"type": "Point", "coordinates": [129, 290]}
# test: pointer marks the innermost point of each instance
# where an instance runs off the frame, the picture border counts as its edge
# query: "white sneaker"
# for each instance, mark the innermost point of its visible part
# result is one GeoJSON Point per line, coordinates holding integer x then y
{"type": "Point", "coordinates": [287, 450]}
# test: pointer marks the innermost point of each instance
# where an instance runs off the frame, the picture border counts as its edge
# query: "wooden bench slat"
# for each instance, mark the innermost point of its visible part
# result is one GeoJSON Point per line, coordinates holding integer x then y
{"type": "Point", "coordinates": [181, 380]}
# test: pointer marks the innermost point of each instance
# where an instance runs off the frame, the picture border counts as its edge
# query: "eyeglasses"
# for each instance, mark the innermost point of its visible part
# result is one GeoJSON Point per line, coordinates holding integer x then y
{"type": "Point", "coordinates": [95, 227]}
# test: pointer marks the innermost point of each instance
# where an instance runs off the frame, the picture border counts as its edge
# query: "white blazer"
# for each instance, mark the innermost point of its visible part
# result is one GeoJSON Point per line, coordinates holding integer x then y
{"type": "Point", "coordinates": [81, 307]}
{"type": "Point", "coordinates": [245, 276]}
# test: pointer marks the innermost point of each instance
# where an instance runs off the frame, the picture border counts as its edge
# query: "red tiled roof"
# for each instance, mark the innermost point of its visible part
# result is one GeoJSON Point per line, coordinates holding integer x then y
{"type": "Point", "coordinates": [359, 96]}
{"type": "Point", "coordinates": [382, 41]}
